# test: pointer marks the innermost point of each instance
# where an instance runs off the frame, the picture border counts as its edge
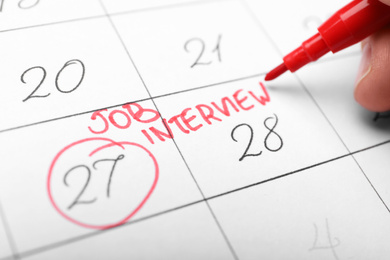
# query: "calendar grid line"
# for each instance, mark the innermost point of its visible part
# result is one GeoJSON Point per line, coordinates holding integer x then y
{"type": "Point", "coordinates": [261, 74]}
{"type": "Point", "coordinates": [315, 103]}
{"type": "Point", "coordinates": [53, 23]}
{"type": "Point", "coordinates": [45, 248]}
{"type": "Point", "coordinates": [76, 239]}
{"type": "Point", "coordinates": [145, 9]}
{"type": "Point", "coordinates": [261, 27]}
{"type": "Point", "coordinates": [279, 51]}
{"type": "Point", "coordinates": [299, 170]}
{"type": "Point", "coordinates": [371, 147]}
{"type": "Point", "coordinates": [9, 235]}
{"type": "Point", "coordinates": [278, 177]}
{"type": "Point", "coordinates": [173, 140]}
{"type": "Point", "coordinates": [342, 141]}
{"type": "Point", "coordinates": [371, 184]}
{"type": "Point", "coordinates": [166, 6]}
{"type": "Point", "coordinates": [134, 101]}
{"type": "Point", "coordinates": [172, 93]}
{"type": "Point", "coordinates": [224, 235]}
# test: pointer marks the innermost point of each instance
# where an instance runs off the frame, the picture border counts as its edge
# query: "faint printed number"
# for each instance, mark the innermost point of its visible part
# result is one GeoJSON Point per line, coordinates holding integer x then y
{"type": "Point", "coordinates": [201, 47]}
{"type": "Point", "coordinates": [22, 4]}
{"type": "Point", "coordinates": [27, 4]}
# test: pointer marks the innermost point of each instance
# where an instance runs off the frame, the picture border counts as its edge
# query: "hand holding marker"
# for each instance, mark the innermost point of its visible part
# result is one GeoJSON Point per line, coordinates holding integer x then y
{"type": "Point", "coordinates": [352, 24]}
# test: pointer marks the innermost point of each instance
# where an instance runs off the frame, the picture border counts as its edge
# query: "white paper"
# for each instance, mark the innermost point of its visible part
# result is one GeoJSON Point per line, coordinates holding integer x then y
{"type": "Point", "coordinates": [145, 130]}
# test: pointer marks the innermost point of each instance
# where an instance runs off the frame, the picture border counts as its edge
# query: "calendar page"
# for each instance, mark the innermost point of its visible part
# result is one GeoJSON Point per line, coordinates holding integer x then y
{"type": "Point", "coordinates": [145, 130]}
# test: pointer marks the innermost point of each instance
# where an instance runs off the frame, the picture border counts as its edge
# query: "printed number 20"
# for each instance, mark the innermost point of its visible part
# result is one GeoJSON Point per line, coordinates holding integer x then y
{"type": "Point", "coordinates": [58, 85]}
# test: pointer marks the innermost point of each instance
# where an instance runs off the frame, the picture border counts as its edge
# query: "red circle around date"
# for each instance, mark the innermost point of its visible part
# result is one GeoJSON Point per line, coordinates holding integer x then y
{"type": "Point", "coordinates": [108, 143]}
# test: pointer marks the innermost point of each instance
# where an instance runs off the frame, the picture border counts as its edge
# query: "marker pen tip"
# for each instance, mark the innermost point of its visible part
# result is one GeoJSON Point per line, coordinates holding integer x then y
{"type": "Point", "coordinates": [276, 72]}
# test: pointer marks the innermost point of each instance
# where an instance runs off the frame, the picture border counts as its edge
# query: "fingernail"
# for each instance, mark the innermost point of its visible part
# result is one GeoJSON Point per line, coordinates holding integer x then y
{"type": "Point", "coordinates": [365, 64]}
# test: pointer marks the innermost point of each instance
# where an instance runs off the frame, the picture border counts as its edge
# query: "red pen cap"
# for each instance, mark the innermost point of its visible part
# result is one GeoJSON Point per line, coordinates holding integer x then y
{"type": "Point", "coordinates": [348, 26]}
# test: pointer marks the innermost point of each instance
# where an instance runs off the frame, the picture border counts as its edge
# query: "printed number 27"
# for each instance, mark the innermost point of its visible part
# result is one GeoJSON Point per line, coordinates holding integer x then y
{"type": "Point", "coordinates": [87, 169]}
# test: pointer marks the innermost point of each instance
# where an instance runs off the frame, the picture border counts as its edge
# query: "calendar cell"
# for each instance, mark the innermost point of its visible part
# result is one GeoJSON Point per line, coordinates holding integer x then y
{"type": "Point", "coordinates": [18, 14]}
{"type": "Point", "coordinates": [82, 66]}
{"type": "Point", "coordinates": [356, 126]}
{"type": "Point", "coordinates": [289, 29]}
{"type": "Point", "coordinates": [325, 212]}
{"type": "Point", "coordinates": [190, 231]}
{"type": "Point", "coordinates": [144, 129]}
{"type": "Point", "coordinates": [208, 47]}
{"type": "Point", "coordinates": [245, 138]}
{"type": "Point", "coordinates": [82, 181]}
{"type": "Point", "coordinates": [375, 165]}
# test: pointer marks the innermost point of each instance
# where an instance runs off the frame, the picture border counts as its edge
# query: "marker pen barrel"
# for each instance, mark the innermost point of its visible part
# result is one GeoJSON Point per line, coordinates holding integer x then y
{"type": "Point", "coordinates": [348, 26]}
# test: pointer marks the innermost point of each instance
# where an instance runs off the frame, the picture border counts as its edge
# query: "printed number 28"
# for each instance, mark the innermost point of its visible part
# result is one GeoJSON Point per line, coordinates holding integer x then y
{"type": "Point", "coordinates": [266, 139]}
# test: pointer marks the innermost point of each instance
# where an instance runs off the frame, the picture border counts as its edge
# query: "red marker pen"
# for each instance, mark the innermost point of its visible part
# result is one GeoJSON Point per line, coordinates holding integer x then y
{"type": "Point", "coordinates": [348, 26]}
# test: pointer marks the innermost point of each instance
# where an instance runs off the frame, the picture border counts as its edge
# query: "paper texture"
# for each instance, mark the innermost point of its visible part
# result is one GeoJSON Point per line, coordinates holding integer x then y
{"type": "Point", "coordinates": [145, 130]}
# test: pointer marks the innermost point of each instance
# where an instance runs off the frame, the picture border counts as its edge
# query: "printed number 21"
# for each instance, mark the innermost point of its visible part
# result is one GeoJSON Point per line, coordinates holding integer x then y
{"type": "Point", "coordinates": [200, 60]}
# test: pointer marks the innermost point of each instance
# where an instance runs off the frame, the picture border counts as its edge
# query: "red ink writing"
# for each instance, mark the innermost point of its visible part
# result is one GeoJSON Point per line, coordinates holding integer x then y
{"type": "Point", "coordinates": [190, 119]}
{"type": "Point", "coordinates": [96, 182]}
